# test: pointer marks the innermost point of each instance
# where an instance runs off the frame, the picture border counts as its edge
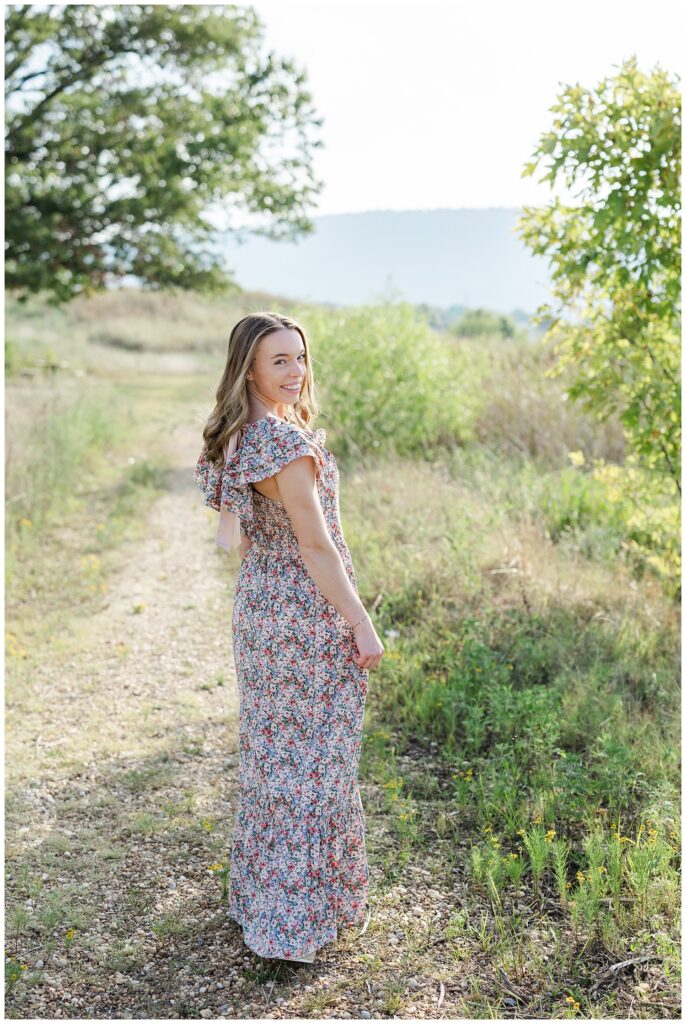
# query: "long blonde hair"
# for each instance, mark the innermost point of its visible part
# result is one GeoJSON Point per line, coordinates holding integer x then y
{"type": "Point", "coordinates": [232, 403]}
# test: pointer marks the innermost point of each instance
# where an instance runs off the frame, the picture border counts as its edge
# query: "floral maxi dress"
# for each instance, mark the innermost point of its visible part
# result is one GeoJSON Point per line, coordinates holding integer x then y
{"type": "Point", "coordinates": [298, 861]}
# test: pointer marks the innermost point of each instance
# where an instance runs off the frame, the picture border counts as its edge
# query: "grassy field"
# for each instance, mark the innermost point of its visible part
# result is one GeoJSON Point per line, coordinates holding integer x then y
{"type": "Point", "coordinates": [521, 754]}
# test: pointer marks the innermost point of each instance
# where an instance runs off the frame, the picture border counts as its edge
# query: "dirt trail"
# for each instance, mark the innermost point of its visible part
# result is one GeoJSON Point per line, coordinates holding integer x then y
{"type": "Point", "coordinates": [121, 763]}
{"type": "Point", "coordinates": [163, 634]}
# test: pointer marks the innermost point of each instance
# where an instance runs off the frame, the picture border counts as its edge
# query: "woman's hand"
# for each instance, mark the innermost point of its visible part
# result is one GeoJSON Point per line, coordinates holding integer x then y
{"type": "Point", "coordinates": [369, 646]}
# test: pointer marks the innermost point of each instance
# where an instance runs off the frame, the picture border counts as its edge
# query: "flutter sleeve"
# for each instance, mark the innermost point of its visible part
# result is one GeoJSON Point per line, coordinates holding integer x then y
{"type": "Point", "coordinates": [273, 445]}
{"type": "Point", "coordinates": [209, 479]}
{"type": "Point", "coordinates": [263, 450]}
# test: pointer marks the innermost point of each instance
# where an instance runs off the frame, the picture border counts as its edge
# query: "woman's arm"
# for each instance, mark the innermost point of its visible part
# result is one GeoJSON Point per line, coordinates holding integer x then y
{"type": "Point", "coordinates": [298, 492]}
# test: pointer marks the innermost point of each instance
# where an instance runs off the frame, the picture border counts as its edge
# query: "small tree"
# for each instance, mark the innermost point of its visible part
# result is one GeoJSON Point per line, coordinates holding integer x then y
{"type": "Point", "coordinates": [615, 257]}
{"type": "Point", "coordinates": [125, 123]}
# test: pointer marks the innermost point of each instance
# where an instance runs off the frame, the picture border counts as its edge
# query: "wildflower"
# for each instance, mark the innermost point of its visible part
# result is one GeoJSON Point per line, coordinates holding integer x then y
{"type": "Point", "coordinates": [576, 458]}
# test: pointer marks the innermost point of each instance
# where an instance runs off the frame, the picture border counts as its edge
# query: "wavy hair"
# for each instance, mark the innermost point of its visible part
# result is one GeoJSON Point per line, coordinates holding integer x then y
{"type": "Point", "coordinates": [232, 403]}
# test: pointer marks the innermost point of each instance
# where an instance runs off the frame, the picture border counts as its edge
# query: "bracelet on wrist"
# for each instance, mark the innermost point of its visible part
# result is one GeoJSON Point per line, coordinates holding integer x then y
{"type": "Point", "coordinates": [365, 616]}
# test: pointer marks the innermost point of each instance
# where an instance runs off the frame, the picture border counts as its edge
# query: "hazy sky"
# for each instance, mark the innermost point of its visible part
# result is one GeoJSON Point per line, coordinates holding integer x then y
{"type": "Point", "coordinates": [430, 105]}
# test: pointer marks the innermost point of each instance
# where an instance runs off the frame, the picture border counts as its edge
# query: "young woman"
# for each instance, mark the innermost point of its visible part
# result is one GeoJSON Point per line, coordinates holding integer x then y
{"type": "Point", "coordinates": [303, 646]}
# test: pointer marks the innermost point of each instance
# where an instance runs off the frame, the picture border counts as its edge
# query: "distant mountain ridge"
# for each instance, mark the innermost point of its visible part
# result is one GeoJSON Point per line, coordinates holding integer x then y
{"type": "Point", "coordinates": [462, 257]}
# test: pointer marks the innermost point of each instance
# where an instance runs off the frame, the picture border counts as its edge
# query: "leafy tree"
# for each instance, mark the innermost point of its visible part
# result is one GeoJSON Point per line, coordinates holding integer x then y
{"type": "Point", "coordinates": [615, 256]}
{"type": "Point", "coordinates": [615, 259]}
{"type": "Point", "coordinates": [126, 123]}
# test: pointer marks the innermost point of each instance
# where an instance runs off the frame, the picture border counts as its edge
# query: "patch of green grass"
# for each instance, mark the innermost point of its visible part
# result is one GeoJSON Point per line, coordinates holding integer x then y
{"type": "Point", "coordinates": [148, 777]}
{"type": "Point", "coordinates": [124, 956]}
{"type": "Point", "coordinates": [172, 923]}
{"type": "Point", "coordinates": [146, 823]}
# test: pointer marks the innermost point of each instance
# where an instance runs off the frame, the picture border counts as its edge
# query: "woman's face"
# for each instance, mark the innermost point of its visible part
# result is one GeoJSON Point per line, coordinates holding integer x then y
{"type": "Point", "coordinates": [278, 371]}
